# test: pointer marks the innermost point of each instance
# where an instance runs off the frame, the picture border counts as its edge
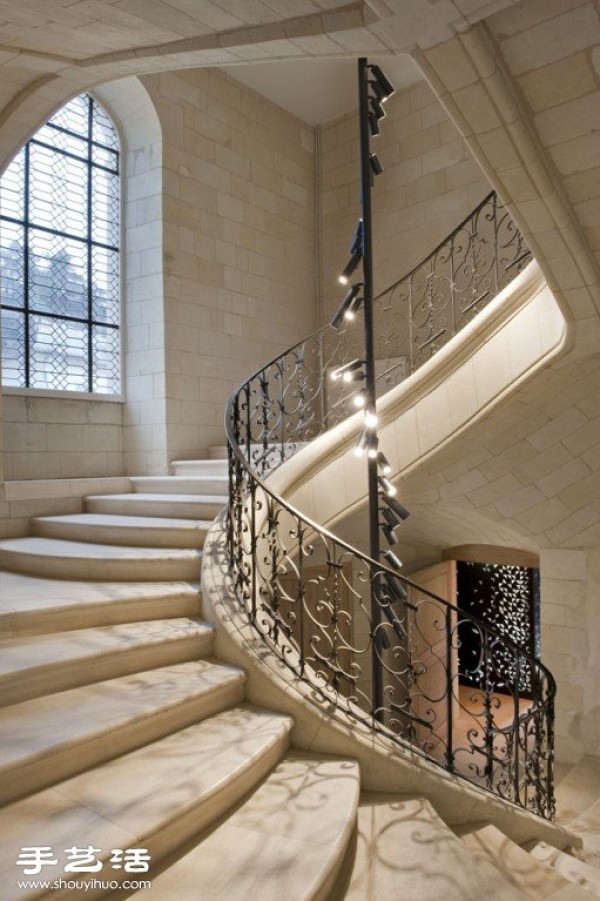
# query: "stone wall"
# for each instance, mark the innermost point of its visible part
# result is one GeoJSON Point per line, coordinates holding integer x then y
{"type": "Point", "coordinates": [239, 243]}
{"type": "Point", "coordinates": [54, 438]}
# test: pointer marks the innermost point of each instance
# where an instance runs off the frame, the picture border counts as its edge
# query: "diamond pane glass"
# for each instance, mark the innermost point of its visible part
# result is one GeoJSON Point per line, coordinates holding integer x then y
{"type": "Point", "coordinates": [59, 255]}
{"type": "Point", "coordinates": [103, 131]}
{"type": "Point", "coordinates": [106, 158]}
{"type": "Point", "coordinates": [58, 191]}
{"type": "Point", "coordinates": [13, 349]}
{"type": "Point", "coordinates": [105, 285]}
{"type": "Point", "coordinates": [106, 360]}
{"type": "Point", "coordinates": [63, 141]}
{"type": "Point", "coordinates": [12, 188]}
{"type": "Point", "coordinates": [105, 207]}
{"type": "Point", "coordinates": [58, 354]}
{"type": "Point", "coordinates": [74, 115]}
{"type": "Point", "coordinates": [57, 275]}
{"type": "Point", "coordinates": [12, 263]}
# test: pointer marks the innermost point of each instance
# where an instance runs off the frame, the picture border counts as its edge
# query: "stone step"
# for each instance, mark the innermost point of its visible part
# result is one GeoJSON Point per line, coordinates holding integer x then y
{"type": "Point", "coordinates": [528, 875]}
{"type": "Point", "coordinates": [404, 850]}
{"type": "Point", "coordinates": [216, 485]}
{"type": "Point", "coordinates": [587, 827]}
{"type": "Point", "coordinates": [200, 467]}
{"type": "Point", "coordinates": [157, 797]}
{"type": "Point", "coordinates": [101, 721]}
{"type": "Point", "coordinates": [577, 871]}
{"type": "Point", "coordinates": [578, 790]}
{"type": "Point", "coordinates": [32, 606]}
{"type": "Point", "coordinates": [287, 840]}
{"type": "Point", "coordinates": [39, 665]}
{"type": "Point", "coordinates": [56, 558]}
{"type": "Point", "coordinates": [135, 531]}
{"type": "Point", "coordinates": [172, 506]}
{"type": "Point", "coordinates": [217, 452]}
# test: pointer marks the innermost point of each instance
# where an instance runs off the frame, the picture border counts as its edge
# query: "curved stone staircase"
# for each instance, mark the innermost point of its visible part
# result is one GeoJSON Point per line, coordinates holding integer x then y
{"type": "Point", "coordinates": [122, 730]}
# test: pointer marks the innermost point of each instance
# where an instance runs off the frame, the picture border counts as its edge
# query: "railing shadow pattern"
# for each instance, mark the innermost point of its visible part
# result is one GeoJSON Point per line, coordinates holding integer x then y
{"type": "Point", "coordinates": [381, 649]}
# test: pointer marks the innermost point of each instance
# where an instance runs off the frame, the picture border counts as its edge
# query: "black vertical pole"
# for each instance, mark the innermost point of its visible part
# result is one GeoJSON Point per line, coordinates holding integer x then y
{"type": "Point", "coordinates": [370, 407]}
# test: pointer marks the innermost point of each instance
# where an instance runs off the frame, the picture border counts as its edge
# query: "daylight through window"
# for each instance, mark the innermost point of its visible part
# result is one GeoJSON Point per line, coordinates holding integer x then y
{"type": "Point", "coordinates": [59, 255]}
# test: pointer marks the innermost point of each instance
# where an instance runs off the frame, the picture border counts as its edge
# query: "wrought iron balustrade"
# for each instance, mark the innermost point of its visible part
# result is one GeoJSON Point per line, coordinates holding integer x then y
{"type": "Point", "coordinates": [380, 648]}
{"type": "Point", "coordinates": [422, 311]}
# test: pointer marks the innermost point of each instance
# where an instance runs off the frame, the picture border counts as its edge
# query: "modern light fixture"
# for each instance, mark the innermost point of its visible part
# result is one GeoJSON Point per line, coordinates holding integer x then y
{"type": "Point", "coordinates": [392, 560]}
{"type": "Point", "coordinates": [375, 164]}
{"type": "Point", "coordinates": [389, 533]}
{"type": "Point", "coordinates": [367, 444]}
{"type": "Point", "coordinates": [359, 400]}
{"type": "Point", "coordinates": [371, 420]}
{"type": "Point", "coordinates": [357, 238]}
{"type": "Point", "coordinates": [400, 511]}
{"type": "Point", "coordinates": [383, 464]}
{"type": "Point", "coordinates": [373, 125]}
{"type": "Point", "coordinates": [349, 305]}
{"type": "Point", "coordinates": [381, 85]}
{"type": "Point", "coordinates": [377, 108]}
{"type": "Point", "coordinates": [351, 265]}
{"type": "Point", "coordinates": [386, 486]}
{"type": "Point", "coordinates": [349, 372]}
{"type": "Point", "coordinates": [372, 445]}
{"type": "Point", "coordinates": [396, 589]}
{"type": "Point", "coordinates": [361, 448]}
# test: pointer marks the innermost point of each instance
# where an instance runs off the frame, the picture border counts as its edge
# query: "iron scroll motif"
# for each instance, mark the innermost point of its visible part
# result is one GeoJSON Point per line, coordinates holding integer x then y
{"type": "Point", "coordinates": [309, 594]}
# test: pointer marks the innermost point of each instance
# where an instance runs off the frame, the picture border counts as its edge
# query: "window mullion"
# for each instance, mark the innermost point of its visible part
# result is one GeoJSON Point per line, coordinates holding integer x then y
{"type": "Point", "coordinates": [89, 248]}
{"type": "Point", "coordinates": [26, 212]}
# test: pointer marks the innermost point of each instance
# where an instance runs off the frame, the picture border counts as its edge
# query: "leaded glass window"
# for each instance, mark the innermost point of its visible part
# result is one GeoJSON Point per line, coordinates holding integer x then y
{"type": "Point", "coordinates": [59, 255]}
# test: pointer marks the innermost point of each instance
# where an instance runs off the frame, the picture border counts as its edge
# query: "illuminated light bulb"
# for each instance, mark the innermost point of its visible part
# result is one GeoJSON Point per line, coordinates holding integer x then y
{"type": "Point", "coordinates": [359, 400]}
{"type": "Point", "coordinates": [371, 420]}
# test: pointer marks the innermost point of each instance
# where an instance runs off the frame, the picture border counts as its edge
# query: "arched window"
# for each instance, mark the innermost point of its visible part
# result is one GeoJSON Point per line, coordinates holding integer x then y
{"type": "Point", "coordinates": [59, 256]}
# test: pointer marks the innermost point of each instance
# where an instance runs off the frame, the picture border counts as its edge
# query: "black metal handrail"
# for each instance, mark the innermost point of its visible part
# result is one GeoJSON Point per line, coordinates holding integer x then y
{"type": "Point", "coordinates": [309, 595]}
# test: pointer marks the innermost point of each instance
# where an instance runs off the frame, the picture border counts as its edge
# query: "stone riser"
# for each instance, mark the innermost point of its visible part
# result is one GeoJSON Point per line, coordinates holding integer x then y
{"type": "Point", "coordinates": [217, 486]}
{"type": "Point", "coordinates": [177, 507]}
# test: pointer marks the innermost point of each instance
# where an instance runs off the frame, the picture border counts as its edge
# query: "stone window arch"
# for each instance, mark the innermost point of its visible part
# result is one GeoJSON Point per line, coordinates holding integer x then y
{"type": "Point", "coordinates": [60, 255]}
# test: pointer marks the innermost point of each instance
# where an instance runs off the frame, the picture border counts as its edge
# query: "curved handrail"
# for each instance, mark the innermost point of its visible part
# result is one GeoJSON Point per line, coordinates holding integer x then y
{"type": "Point", "coordinates": [308, 593]}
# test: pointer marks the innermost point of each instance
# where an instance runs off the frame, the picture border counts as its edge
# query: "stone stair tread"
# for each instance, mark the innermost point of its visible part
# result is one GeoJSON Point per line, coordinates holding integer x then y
{"type": "Point", "coordinates": [577, 871]}
{"type": "Point", "coordinates": [43, 664]}
{"type": "Point", "coordinates": [60, 547]}
{"type": "Point", "coordinates": [123, 521]}
{"type": "Point", "coordinates": [405, 850]}
{"type": "Point", "coordinates": [526, 873]}
{"type": "Point", "coordinates": [33, 605]}
{"type": "Point", "coordinates": [287, 840]}
{"type": "Point", "coordinates": [156, 797]}
{"type": "Point", "coordinates": [101, 720]}
{"type": "Point", "coordinates": [20, 591]}
{"type": "Point", "coordinates": [578, 790]}
{"type": "Point", "coordinates": [587, 827]}
{"type": "Point", "coordinates": [37, 650]}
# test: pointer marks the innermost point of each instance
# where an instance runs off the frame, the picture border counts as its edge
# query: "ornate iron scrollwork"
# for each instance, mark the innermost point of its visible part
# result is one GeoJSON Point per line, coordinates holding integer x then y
{"type": "Point", "coordinates": [311, 595]}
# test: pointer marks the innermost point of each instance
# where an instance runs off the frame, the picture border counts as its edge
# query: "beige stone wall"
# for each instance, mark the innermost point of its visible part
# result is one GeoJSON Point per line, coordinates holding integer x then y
{"type": "Point", "coordinates": [429, 184]}
{"type": "Point", "coordinates": [239, 243]}
{"type": "Point", "coordinates": [54, 438]}
{"type": "Point", "coordinates": [219, 275]}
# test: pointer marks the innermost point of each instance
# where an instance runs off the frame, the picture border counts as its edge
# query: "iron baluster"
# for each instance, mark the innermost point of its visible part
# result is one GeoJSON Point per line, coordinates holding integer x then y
{"type": "Point", "coordinates": [393, 682]}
